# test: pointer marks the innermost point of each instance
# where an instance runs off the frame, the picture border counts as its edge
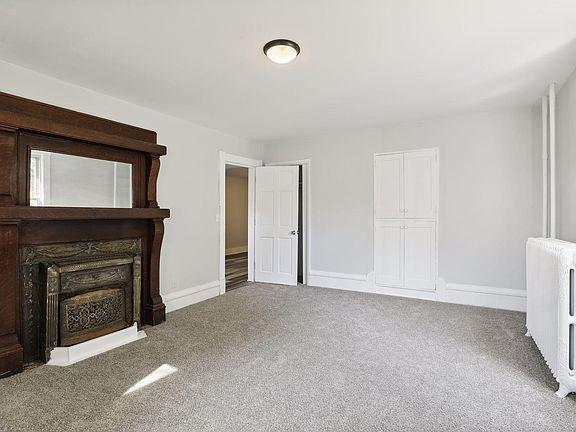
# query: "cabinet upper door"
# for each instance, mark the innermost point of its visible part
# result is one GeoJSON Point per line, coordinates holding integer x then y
{"type": "Point", "coordinates": [389, 253]}
{"type": "Point", "coordinates": [388, 184]}
{"type": "Point", "coordinates": [420, 255]}
{"type": "Point", "coordinates": [420, 184]}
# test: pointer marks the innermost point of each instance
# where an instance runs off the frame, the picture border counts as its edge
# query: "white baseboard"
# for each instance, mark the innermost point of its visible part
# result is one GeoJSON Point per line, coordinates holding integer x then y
{"type": "Point", "coordinates": [409, 293]}
{"type": "Point", "coordinates": [351, 282]}
{"type": "Point", "coordinates": [466, 294]}
{"type": "Point", "coordinates": [236, 250]}
{"type": "Point", "coordinates": [186, 297]}
{"type": "Point", "coordinates": [66, 356]}
{"type": "Point", "coordinates": [479, 295]}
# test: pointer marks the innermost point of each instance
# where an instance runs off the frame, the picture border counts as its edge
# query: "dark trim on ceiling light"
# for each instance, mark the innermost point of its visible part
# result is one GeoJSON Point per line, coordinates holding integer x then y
{"type": "Point", "coordinates": [277, 42]}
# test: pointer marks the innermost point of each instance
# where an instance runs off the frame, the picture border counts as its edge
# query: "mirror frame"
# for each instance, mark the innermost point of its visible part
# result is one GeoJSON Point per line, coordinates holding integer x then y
{"type": "Point", "coordinates": [29, 141]}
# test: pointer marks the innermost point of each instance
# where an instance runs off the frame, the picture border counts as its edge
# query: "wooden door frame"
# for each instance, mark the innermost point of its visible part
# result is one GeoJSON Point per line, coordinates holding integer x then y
{"type": "Point", "coordinates": [306, 165]}
{"type": "Point", "coordinates": [251, 164]}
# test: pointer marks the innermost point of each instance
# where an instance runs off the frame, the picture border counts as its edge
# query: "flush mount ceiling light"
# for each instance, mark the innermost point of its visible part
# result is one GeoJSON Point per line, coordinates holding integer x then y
{"type": "Point", "coordinates": [281, 51]}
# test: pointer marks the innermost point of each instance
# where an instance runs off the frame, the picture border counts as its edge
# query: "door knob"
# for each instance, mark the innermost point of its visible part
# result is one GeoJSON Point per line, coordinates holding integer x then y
{"type": "Point", "coordinates": [293, 232]}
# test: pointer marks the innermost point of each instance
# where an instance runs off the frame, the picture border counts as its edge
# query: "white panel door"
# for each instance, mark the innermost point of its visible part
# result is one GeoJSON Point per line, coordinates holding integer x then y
{"type": "Point", "coordinates": [389, 253]}
{"type": "Point", "coordinates": [276, 246]}
{"type": "Point", "coordinates": [388, 186]}
{"type": "Point", "coordinates": [420, 255]}
{"type": "Point", "coordinates": [420, 186]}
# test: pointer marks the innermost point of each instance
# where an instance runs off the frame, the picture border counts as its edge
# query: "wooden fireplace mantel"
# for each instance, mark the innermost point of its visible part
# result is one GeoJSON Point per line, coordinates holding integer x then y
{"type": "Point", "coordinates": [21, 113]}
{"type": "Point", "coordinates": [25, 125]}
{"type": "Point", "coordinates": [81, 213]}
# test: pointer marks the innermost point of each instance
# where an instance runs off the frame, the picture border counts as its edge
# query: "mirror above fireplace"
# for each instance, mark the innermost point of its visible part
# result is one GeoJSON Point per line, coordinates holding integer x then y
{"type": "Point", "coordinates": [63, 180]}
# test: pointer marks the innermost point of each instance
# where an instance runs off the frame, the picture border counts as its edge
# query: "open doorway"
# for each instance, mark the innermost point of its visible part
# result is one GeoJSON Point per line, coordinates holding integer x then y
{"type": "Point", "coordinates": [284, 252]}
{"type": "Point", "coordinates": [231, 161]}
{"type": "Point", "coordinates": [236, 227]}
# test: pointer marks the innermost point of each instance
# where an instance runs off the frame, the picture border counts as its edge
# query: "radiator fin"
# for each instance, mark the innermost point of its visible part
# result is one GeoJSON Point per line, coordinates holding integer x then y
{"type": "Point", "coordinates": [571, 302]}
{"type": "Point", "coordinates": [571, 348]}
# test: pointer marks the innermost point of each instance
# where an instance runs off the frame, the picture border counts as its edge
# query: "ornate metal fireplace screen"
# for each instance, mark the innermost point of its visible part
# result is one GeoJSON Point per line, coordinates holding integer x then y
{"type": "Point", "coordinates": [78, 291]}
{"type": "Point", "coordinates": [93, 313]}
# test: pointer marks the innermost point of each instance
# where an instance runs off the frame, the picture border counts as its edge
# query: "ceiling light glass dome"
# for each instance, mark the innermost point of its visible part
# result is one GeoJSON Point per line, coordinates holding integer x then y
{"type": "Point", "coordinates": [281, 51]}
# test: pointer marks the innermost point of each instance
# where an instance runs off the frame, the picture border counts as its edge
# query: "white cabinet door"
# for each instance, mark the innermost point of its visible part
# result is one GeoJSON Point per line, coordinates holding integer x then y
{"type": "Point", "coordinates": [420, 255]}
{"type": "Point", "coordinates": [420, 186]}
{"type": "Point", "coordinates": [276, 245]}
{"type": "Point", "coordinates": [389, 253]}
{"type": "Point", "coordinates": [388, 186]}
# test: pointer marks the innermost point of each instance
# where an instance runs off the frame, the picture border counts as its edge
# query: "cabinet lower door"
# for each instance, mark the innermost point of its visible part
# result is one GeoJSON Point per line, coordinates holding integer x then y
{"type": "Point", "coordinates": [389, 253]}
{"type": "Point", "coordinates": [420, 255]}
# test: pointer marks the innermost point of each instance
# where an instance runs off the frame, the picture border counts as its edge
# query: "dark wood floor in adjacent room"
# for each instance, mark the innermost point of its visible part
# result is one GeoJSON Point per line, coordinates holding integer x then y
{"type": "Point", "coordinates": [236, 270]}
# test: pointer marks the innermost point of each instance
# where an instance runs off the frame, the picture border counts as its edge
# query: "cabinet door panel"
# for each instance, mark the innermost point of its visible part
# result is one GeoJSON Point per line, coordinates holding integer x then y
{"type": "Point", "coordinates": [420, 184]}
{"type": "Point", "coordinates": [389, 253]}
{"type": "Point", "coordinates": [388, 184]}
{"type": "Point", "coordinates": [420, 255]}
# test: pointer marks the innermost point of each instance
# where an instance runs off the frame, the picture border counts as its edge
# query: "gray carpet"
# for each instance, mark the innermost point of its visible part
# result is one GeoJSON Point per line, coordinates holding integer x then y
{"type": "Point", "coordinates": [271, 358]}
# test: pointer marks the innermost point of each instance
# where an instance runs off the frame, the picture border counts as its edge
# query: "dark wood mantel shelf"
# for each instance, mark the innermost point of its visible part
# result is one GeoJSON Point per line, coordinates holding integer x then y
{"type": "Point", "coordinates": [81, 213]}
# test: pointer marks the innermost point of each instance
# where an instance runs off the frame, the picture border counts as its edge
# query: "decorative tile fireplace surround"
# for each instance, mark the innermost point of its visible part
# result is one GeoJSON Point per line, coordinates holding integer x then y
{"type": "Point", "coordinates": [75, 274]}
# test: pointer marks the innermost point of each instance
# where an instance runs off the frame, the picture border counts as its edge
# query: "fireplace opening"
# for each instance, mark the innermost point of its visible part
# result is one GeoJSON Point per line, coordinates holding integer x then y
{"type": "Point", "coordinates": [75, 292]}
{"type": "Point", "coordinates": [92, 314]}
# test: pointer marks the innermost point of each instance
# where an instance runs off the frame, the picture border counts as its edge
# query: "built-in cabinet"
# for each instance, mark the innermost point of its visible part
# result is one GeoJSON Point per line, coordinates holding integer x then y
{"type": "Point", "coordinates": [405, 219]}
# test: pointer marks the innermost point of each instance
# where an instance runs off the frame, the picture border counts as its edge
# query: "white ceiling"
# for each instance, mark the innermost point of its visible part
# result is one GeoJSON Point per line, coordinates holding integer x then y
{"type": "Point", "coordinates": [363, 62]}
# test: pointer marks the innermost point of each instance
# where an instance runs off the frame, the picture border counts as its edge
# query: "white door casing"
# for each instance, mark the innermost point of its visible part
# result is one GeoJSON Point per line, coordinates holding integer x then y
{"type": "Point", "coordinates": [276, 245]}
{"type": "Point", "coordinates": [250, 164]}
{"type": "Point", "coordinates": [389, 187]}
{"type": "Point", "coordinates": [420, 184]}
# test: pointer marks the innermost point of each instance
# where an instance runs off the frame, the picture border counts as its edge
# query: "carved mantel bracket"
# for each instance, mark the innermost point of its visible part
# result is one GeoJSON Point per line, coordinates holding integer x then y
{"type": "Point", "coordinates": [154, 309]}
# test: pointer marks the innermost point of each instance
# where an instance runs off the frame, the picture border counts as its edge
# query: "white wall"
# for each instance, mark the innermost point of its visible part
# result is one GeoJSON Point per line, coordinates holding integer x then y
{"type": "Point", "coordinates": [188, 175]}
{"type": "Point", "coordinates": [566, 160]}
{"type": "Point", "coordinates": [489, 193]}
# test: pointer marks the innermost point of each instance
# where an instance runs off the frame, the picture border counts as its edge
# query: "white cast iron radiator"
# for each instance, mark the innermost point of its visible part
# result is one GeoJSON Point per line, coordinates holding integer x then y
{"type": "Point", "coordinates": [550, 312]}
